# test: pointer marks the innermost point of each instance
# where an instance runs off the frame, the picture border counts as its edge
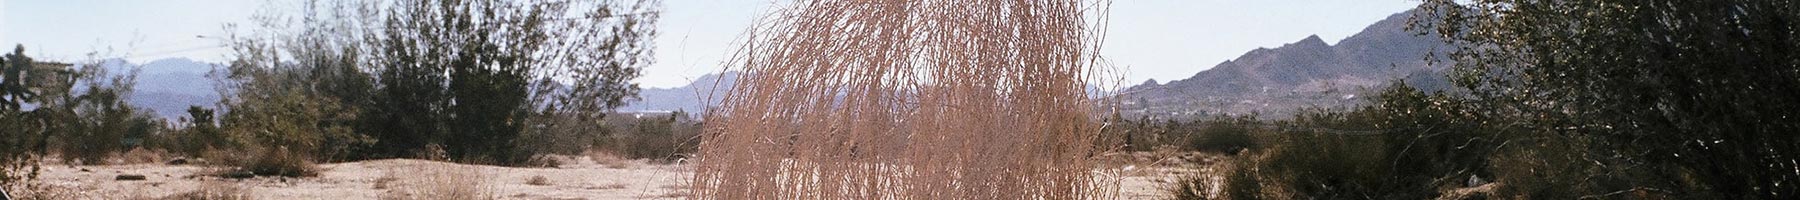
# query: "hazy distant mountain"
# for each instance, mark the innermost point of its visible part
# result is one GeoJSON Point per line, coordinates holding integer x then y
{"type": "Point", "coordinates": [169, 86]}
{"type": "Point", "coordinates": [688, 97]}
{"type": "Point", "coordinates": [1306, 73]}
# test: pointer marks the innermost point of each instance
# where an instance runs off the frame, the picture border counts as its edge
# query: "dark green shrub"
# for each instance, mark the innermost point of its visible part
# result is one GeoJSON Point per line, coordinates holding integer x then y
{"type": "Point", "coordinates": [661, 138]}
{"type": "Point", "coordinates": [1226, 135]}
{"type": "Point", "coordinates": [1406, 145]}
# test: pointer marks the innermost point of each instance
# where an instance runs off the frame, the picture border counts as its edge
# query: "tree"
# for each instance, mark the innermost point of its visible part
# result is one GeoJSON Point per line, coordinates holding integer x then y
{"type": "Point", "coordinates": [98, 121]}
{"type": "Point", "coordinates": [291, 92]}
{"type": "Point", "coordinates": [1683, 98]}
{"type": "Point", "coordinates": [474, 70]}
{"type": "Point", "coordinates": [472, 76]}
{"type": "Point", "coordinates": [200, 134]}
{"type": "Point", "coordinates": [22, 139]}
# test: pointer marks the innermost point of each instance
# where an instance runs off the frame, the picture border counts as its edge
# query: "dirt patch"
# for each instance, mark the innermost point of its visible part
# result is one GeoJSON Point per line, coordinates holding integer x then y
{"type": "Point", "coordinates": [584, 179]}
{"type": "Point", "coordinates": [371, 179]}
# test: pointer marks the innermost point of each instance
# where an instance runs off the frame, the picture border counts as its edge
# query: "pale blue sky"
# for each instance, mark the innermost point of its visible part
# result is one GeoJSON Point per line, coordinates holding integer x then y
{"type": "Point", "coordinates": [1161, 39]}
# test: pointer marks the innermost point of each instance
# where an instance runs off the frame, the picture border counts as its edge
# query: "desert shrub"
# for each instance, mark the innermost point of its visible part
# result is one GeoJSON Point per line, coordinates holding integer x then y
{"type": "Point", "coordinates": [214, 190]}
{"type": "Point", "coordinates": [277, 110]}
{"type": "Point", "coordinates": [139, 156]}
{"type": "Point", "coordinates": [1406, 145]}
{"type": "Point", "coordinates": [264, 162]}
{"type": "Point", "coordinates": [354, 81]}
{"type": "Point", "coordinates": [1226, 135]}
{"type": "Point", "coordinates": [1210, 184]}
{"type": "Point", "coordinates": [197, 132]}
{"type": "Point", "coordinates": [1190, 188]}
{"type": "Point", "coordinates": [657, 138]}
{"type": "Point", "coordinates": [610, 160]}
{"type": "Point", "coordinates": [1693, 99]}
{"type": "Point", "coordinates": [24, 140]}
{"type": "Point", "coordinates": [92, 123]}
{"type": "Point", "coordinates": [385, 181]}
{"type": "Point", "coordinates": [1329, 166]}
{"type": "Point", "coordinates": [566, 134]}
{"type": "Point", "coordinates": [1434, 141]}
{"type": "Point", "coordinates": [441, 182]}
{"type": "Point", "coordinates": [545, 160]}
{"type": "Point", "coordinates": [836, 106]}
{"type": "Point", "coordinates": [537, 180]}
{"type": "Point", "coordinates": [280, 162]}
{"type": "Point", "coordinates": [1543, 169]}
{"type": "Point", "coordinates": [41, 191]}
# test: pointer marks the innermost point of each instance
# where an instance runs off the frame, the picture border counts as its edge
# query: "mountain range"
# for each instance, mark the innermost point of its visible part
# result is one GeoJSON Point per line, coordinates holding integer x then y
{"type": "Point", "coordinates": [169, 86]}
{"type": "Point", "coordinates": [1273, 82]}
{"type": "Point", "coordinates": [695, 97]}
{"type": "Point", "coordinates": [1270, 82]}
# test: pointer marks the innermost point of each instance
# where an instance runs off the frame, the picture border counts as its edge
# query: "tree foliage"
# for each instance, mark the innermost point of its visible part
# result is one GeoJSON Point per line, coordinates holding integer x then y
{"type": "Point", "coordinates": [472, 76]}
{"type": "Point", "coordinates": [1695, 99]}
{"type": "Point", "coordinates": [22, 137]}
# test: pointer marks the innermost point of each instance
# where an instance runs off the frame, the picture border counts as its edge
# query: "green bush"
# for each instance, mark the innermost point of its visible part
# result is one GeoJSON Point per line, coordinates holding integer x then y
{"type": "Point", "coordinates": [1406, 145]}
{"type": "Point", "coordinates": [662, 138]}
{"type": "Point", "coordinates": [1226, 135]}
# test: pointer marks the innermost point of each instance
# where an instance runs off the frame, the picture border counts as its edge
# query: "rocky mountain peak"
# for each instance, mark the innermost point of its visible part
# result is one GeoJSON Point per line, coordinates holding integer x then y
{"type": "Point", "coordinates": [1306, 73]}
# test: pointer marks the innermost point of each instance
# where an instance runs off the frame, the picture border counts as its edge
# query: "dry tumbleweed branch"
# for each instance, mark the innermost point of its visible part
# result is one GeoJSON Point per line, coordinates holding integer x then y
{"type": "Point", "coordinates": [920, 99]}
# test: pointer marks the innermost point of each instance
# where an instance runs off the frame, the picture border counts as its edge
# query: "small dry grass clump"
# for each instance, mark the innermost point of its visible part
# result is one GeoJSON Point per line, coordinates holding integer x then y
{"type": "Point", "coordinates": [385, 181]}
{"type": "Point", "coordinates": [538, 180]}
{"type": "Point", "coordinates": [440, 182]}
{"type": "Point", "coordinates": [263, 162]}
{"type": "Point", "coordinates": [609, 186]}
{"type": "Point", "coordinates": [611, 160]}
{"type": "Point", "coordinates": [139, 156]}
{"type": "Point", "coordinates": [32, 189]}
{"type": "Point", "coordinates": [214, 190]}
{"type": "Point", "coordinates": [909, 99]}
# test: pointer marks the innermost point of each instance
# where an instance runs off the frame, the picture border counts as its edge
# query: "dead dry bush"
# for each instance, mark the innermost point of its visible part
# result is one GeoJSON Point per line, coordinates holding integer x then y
{"type": "Point", "coordinates": [897, 99]}
{"type": "Point", "coordinates": [538, 180]}
{"type": "Point", "coordinates": [262, 162]}
{"type": "Point", "coordinates": [438, 181]}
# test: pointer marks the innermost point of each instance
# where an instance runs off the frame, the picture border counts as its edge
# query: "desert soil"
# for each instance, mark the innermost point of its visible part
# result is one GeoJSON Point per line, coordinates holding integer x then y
{"type": "Point", "coordinates": [582, 179]}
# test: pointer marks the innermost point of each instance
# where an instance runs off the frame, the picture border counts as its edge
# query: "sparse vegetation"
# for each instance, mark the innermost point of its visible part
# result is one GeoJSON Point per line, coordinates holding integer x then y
{"type": "Point", "coordinates": [441, 182]}
{"type": "Point", "coordinates": [537, 180]}
{"type": "Point", "coordinates": [385, 181]}
{"type": "Point", "coordinates": [1667, 121]}
{"type": "Point", "coordinates": [1554, 99]}
{"type": "Point", "coordinates": [139, 156]}
{"type": "Point", "coordinates": [1227, 135]}
{"type": "Point", "coordinates": [214, 190]}
{"type": "Point", "coordinates": [611, 160]}
{"type": "Point", "coordinates": [263, 162]}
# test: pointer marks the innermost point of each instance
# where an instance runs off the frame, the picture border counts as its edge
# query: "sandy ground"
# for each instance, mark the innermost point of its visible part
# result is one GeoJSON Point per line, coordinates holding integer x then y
{"type": "Point", "coordinates": [582, 179]}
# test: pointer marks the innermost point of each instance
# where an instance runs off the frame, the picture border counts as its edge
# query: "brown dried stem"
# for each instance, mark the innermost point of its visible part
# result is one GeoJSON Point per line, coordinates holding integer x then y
{"type": "Point", "coordinates": [923, 99]}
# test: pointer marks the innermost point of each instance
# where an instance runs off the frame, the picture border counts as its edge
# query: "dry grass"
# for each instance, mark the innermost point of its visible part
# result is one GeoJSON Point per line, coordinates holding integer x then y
{"type": "Point", "coordinates": [262, 162]}
{"type": "Point", "coordinates": [214, 190]}
{"type": "Point", "coordinates": [38, 190]}
{"type": "Point", "coordinates": [139, 156]}
{"type": "Point", "coordinates": [385, 181]}
{"type": "Point", "coordinates": [611, 160]}
{"type": "Point", "coordinates": [440, 182]}
{"type": "Point", "coordinates": [537, 180]}
{"type": "Point", "coordinates": [611, 186]}
{"type": "Point", "coordinates": [895, 99]}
